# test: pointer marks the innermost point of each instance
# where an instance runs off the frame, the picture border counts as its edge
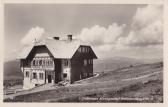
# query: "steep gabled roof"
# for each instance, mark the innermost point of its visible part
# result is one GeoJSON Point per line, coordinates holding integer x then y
{"type": "Point", "coordinates": [62, 49]}
{"type": "Point", "coordinates": [58, 48]}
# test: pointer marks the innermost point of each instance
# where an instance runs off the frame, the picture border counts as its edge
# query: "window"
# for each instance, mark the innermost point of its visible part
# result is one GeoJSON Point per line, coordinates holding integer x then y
{"type": "Point", "coordinates": [26, 62]}
{"type": "Point", "coordinates": [86, 49]}
{"type": "Point", "coordinates": [85, 62]}
{"type": "Point", "coordinates": [46, 63]}
{"type": "Point", "coordinates": [64, 75]}
{"type": "Point", "coordinates": [65, 62]}
{"type": "Point", "coordinates": [83, 49]}
{"type": "Point", "coordinates": [50, 63]}
{"type": "Point", "coordinates": [41, 76]}
{"type": "Point", "coordinates": [34, 75]}
{"type": "Point", "coordinates": [27, 74]}
{"type": "Point", "coordinates": [85, 74]}
{"type": "Point", "coordinates": [88, 61]}
{"type": "Point", "coordinates": [80, 76]}
{"type": "Point", "coordinates": [40, 62]}
{"type": "Point", "coordinates": [90, 74]}
{"type": "Point", "coordinates": [43, 62]}
{"type": "Point", "coordinates": [91, 61]}
{"type": "Point", "coordinates": [34, 63]}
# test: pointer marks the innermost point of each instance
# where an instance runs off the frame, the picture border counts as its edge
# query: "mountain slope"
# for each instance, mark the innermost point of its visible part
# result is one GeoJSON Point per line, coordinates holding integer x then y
{"type": "Point", "coordinates": [108, 64]}
{"type": "Point", "coordinates": [12, 70]}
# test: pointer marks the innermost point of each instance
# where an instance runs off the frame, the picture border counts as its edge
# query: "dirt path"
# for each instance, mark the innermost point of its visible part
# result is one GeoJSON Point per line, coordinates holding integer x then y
{"type": "Point", "coordinates": [141, 77]}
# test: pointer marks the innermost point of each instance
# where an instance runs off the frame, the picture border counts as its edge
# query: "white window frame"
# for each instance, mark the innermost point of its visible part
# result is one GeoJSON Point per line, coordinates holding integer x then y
{"type": "Point", "coordinates": [41, 75]}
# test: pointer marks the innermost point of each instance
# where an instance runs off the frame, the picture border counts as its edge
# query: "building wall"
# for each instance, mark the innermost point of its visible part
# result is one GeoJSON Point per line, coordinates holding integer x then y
{"type": "Point", "coordinates": [66, 70]}
{"type": "Point", "coordinates": [38, 80]}
{"type": "Point", "coordinates": [26, 80]}
{"type": "Point", "coordinates": [43, 54]}
{"type": "Point", "coordinates": [58, 70]}
{"type": "Point", "coordinates": [79, 70]}
{"type": "Point", "coordinates": [74, 70]}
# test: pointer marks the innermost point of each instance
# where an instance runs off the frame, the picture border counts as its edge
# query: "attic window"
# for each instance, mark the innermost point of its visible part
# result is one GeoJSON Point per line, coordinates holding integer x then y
{"type": "Point", "coordinates": [83, 49]}
{"type": "Point", "coordinates": [85, 62]}
{"type": "Point", "coordinates": [87, 49]}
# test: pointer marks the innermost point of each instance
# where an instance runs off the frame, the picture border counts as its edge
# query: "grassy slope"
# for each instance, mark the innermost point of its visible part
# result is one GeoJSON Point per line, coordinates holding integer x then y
{"type": "Point", "coordinates": [106, 85]}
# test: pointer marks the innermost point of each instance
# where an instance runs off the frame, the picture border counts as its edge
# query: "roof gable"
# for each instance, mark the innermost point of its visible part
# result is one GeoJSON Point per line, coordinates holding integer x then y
{"type": "Point", "coordinates": [87, 54]}
{"type": "Point", "coordinates": [60, 49]}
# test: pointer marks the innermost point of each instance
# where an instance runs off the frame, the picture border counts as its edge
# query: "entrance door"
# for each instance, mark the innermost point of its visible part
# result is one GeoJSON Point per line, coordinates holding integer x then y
{"type": "Point", "coordinates": [49, 79]}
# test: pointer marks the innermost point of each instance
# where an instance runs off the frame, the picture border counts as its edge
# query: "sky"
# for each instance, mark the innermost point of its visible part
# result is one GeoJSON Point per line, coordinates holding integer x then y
{"type": "Point", "coordinates": [126, 30]}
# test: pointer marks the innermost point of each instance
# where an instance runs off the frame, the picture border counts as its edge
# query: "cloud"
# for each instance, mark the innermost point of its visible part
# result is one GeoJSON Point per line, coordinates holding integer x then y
{"type": "Point", "coordinates": [33, 34]}
{"type": "Point", "coordinates": [147, 27]}
{"type": "Point", "coordinates": [144, 16]}
{"type": "Point", "coordinates": [102, 37]}
{"type": "Point", "coordinates": [143, 38]}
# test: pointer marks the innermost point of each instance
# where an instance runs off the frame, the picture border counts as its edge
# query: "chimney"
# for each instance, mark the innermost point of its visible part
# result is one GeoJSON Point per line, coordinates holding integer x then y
{"type": "Point", "coordinates": [56, 38]}
{"type": "Point", "coordinates": [69, 37]}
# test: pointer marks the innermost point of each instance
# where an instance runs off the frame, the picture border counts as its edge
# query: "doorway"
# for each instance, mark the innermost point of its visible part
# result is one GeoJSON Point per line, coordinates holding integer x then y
{"type": "Point", "coordinates": [49, 79]}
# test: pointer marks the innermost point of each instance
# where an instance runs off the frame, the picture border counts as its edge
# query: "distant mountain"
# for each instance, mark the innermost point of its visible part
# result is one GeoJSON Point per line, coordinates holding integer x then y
{"type": "Point", "coordinates": [12, 70]}
{"type": "Point", "coordinates": [108, 64]}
